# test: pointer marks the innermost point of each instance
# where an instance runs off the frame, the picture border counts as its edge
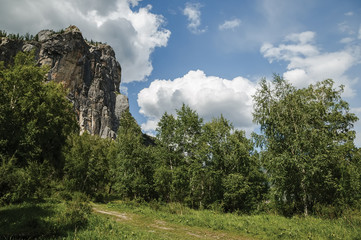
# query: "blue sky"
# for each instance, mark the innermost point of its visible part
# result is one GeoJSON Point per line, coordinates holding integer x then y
{"type": "Point", "coordinates": [210, 54]}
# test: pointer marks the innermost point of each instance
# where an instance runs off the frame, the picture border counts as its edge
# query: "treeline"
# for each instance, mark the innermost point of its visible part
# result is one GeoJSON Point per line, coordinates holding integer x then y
{"type": "Point", "coordinates": [25, 37]}
{"type": "Point", "coordinates": [201, 165]}
{"type": "Point", "coordinates": [305, 161]}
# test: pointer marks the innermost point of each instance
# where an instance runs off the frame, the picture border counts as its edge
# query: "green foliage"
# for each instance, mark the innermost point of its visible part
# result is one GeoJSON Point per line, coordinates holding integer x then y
{"type": "Point", "coordinates": [43, 220]}
{"type": "Point", "coordinates": [3, 33]}
{"type": "Point", "coordinates": [232, 167]}
{"type": "Point", "coordinates": [11, 183]}
{"type": "Point", "coordinates": [26, 37]}
{"type": "Point", "coordinates": [196, 163]}
{"type": "Point", "coordinates": [308, 141]}
{"type": "Point", "coordinates": [35, 117]}
{"type": "Point", "coordinates": [163, 183]}
{"type": "Point", "coordinates": [177, 140]}
{"type": "Point", "coordinates": [76, 213]}
{"type": "Point", "coordinates": [236, 188]}
{"type": "Point", "coordinates": [132, 164]}
{"type": "Point", "coordinates": [87, 166]}
{"type": "Point", "coordinates": [18, 184]}
{"type": "Point", "coordinates": [187, 132]}
{"type": "Point", "coordinates": [93, 43]}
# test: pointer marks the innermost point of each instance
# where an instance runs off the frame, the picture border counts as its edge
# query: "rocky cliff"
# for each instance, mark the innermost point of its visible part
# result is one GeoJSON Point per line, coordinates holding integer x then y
{"type": "Point", "coordinates": [89, 71]}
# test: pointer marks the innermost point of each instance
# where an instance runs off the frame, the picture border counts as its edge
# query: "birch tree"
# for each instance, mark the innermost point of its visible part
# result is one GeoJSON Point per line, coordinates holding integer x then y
{"type": "Point", "coordinates": [308, 142]}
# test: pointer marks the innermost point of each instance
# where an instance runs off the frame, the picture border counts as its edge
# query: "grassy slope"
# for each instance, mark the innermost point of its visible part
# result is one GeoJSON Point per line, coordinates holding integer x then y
{"type": "Point", "coordinates": [119, 220]}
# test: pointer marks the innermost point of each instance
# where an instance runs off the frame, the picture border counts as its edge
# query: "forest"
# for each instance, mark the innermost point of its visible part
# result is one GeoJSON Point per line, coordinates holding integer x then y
{"type": "Point", "coordinates": [302, 161]}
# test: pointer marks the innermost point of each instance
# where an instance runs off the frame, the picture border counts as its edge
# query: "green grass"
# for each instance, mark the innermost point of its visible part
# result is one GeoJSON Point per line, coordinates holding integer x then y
{"type": "Point", "coordinates": [102, 227]}
{"type": "Point", "coordinates": [42, 219]}
{"type": "Point", "coordinates": [28, 220]}
{"type": "Point", "coordinates": [263, 226]}
{"type": "Point", "coordinates": [54, 219]}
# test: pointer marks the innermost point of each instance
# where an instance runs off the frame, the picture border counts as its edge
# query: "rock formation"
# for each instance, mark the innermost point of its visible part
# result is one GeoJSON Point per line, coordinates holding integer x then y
{"type": "Point", "coordinates": [89, 71]}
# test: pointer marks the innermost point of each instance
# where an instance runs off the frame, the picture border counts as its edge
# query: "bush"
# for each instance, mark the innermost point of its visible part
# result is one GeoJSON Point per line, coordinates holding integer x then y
{"type": "Point", "coordinates": [327, 211]}
{"type": "Point", "coordinates": [86, 167]}
{"type": "Point", "coordinates": [11, 188]}
{"type": "Point", "coordinates": [76, 213]}
{"type": "Point", "coordinates": [18, 184]}
{"type": "Point", "coordinates": [217, 207]}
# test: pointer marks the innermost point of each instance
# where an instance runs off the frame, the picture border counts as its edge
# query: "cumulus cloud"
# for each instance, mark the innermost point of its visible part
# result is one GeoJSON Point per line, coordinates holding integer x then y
{"type": "Point", "coordinates": [308, 64]}
{"type": "Point", "coordinates": [210, 96]}
{"type": "Point", "coordinates": [193, 13]}
{"type": "Point", "coordinates": [134, 32]}
{"type": "Point", "coordinates": [231, 24]}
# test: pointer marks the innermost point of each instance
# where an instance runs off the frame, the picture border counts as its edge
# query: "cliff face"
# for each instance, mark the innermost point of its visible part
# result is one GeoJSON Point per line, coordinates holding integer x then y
{"type": "Point", "coordinates": [89, 71]}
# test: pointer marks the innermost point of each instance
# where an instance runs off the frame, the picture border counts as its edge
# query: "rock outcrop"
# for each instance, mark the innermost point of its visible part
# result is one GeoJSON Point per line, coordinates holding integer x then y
{"type": "Point", "coordinates": [89, 71]}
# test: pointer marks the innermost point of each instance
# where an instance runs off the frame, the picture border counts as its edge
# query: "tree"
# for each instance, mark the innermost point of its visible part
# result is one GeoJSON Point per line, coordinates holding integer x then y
{"type": "Point", "coordinates": [35, 121]}
{"type": "Point", "coordinates": [236, 192]}
{"type": "Point", "coordinates": [132, 163]}
{"type": "Point", "coordinates": [198, 163]}
{"type": "Point", "coordinates": [188, 131]}
{"type": "Point", "coordinates": [87, 164]}
{"type": "Point", "coordinates": [177, 140]}
{"type": "Point", "coordinates": [308, 142]}
{"type": "Point", "coordinates": [35, 116]}
{"type": "Point", "coordinates": [233, 173]}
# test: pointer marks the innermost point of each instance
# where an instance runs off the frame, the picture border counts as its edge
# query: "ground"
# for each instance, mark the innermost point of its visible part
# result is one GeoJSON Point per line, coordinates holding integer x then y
{"type": "Point", "coordinates": [166, 229]}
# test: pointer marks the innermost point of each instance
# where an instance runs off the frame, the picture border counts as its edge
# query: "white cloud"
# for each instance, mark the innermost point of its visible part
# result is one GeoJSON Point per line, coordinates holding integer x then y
{"type": "Point", "coordinates": [359, 33]}
{"type": "Point", "coordinates": [123, 89]}
{"type": "Point", "coordinates": [231, 24]}
{"type": "Point", "coordinates": [345, 27]}
{"type": "Point", "coordinates": [193, 13]}
{"type": "Point", "coordinates": [210, 96]}
{"type": "Point", "coordinates": [302, 38]}
{"type": "Point", "coordinates": [133, 34]}
{"type": "Point", "coordinates": [357, 125]}
{"type": "Point", "coordinates": [349, 13]}
{"type": "Point", "coordinates": [307, 64]}
{"type": "Point", "coordinates": [346, 40]}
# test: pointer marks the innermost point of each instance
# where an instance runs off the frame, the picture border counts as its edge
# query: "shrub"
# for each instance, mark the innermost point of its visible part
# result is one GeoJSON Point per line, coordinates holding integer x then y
{"type": "Point", "coordinates": [76, 212]}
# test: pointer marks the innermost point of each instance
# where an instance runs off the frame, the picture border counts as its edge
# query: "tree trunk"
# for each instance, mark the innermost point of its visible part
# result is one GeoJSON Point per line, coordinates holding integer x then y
{"type": "Point", "coordinates": [304, 198]}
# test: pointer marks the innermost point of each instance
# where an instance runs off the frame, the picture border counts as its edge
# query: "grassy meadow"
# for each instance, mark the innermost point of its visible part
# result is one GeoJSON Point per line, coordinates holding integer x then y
{"type": "Point", "coordinates": [54, 219]}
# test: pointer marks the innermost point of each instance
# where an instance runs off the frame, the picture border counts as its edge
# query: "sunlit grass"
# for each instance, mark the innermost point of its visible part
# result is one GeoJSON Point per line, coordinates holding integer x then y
{"type": "Point", "coordinates": [266, 226]}
{"type": "Point", "coordinates": [53, 219]}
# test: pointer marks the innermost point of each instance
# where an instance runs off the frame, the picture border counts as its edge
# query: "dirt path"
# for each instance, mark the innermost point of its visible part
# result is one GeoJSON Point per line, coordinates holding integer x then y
{"type": "Point", "coordinates": [169, 230]}
{"type": "Point", "coordinates": [121, 216]}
